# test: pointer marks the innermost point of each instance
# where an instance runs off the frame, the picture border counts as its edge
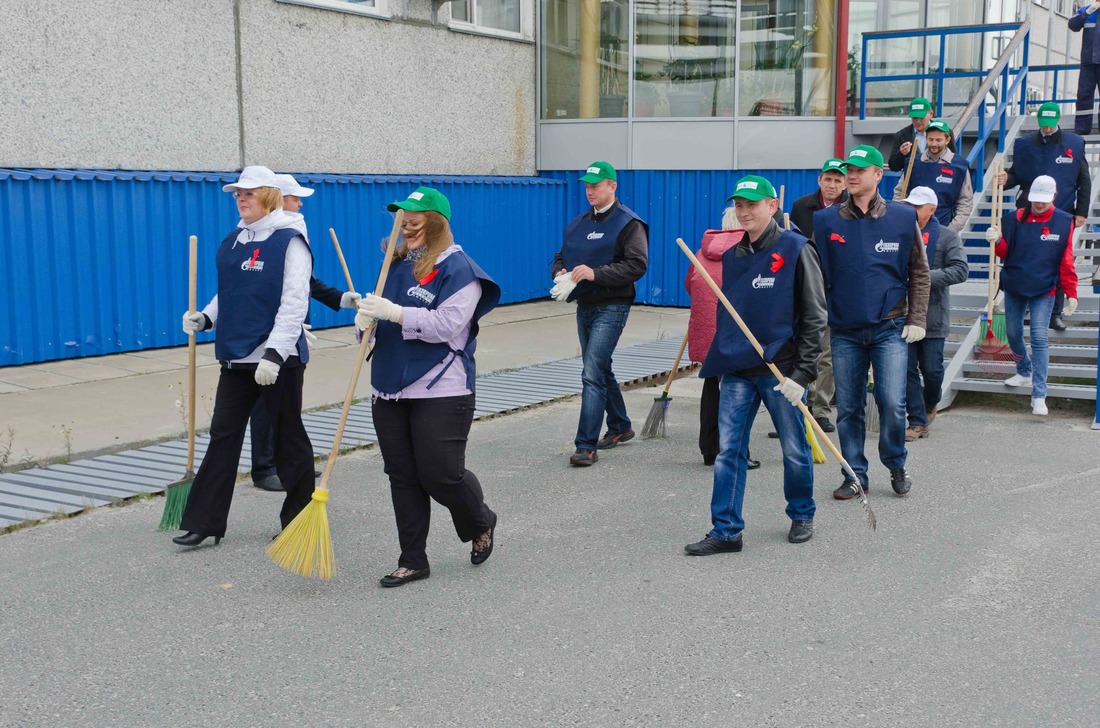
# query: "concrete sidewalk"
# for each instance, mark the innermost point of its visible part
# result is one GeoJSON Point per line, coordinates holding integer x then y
{"type": "Point", "coordinates": [65, 409]}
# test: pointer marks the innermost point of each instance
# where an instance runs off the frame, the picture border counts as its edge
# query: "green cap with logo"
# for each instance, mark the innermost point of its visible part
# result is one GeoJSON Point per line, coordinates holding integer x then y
{"type": "Point", "coordinates": [939, 126]}
{"type": "Point", "coordinates": [597, 172]}
{"type": "Point", "coordinates": [864, 156]}
{"type": "Point", "coordinates": [752, 188]}
{"type": "Point", "coordinates": [834, 165]}
{"type": "Point", "coordinates": [919, 108]}
{"type": "Point", "coordinates": [1049, 114]}
{"type": "Point", "coordinates": [423, 199]}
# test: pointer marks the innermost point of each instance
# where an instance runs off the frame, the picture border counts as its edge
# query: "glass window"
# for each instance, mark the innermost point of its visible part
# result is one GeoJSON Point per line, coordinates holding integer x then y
{"type": "Point", "coordinates": [684, 57]}
{"type": "Point", "coordinates": [362, 7]}
{"type": "Point", "coordinates": [787, 50]}
{"type": "Point", "coordinates": [504, 15]}
{"type": "Point", "coordinates": [584, 52]}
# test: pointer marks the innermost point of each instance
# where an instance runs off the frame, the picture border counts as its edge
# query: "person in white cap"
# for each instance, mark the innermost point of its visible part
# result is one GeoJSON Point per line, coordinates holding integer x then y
{"type": "Point", "coordinates": [263, 267]}
{"type": "Point", "coordinates": [1036, 244]}
{"type": "Point", "coordinates": [264, 473]}
{"type": "Point", "coordinates": [947, 267]}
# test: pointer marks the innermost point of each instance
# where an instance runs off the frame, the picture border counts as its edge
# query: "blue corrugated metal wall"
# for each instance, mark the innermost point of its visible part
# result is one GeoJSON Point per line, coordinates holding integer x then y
{"type": "Point", "coordinates": [98, 259]}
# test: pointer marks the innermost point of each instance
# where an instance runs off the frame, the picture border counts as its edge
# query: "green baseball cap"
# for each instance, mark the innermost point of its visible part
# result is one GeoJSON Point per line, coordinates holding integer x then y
{"type": "Point", "coordinates": [939, 125]}
{"type": "Point", "coordinates": [423, 199]}
{"type": "Point", "coordinates": [834, 165]}
{"type": "Point", "coordinates": [597, 172]}
{"type": "Point", "coordinates": [919, 108]}
{"type": "Point", "coordinates": [752, 188]}
{"type": "Point", "coordinates": [1049, 114]}
{"type": "Point", "coordinates": [864, 156]}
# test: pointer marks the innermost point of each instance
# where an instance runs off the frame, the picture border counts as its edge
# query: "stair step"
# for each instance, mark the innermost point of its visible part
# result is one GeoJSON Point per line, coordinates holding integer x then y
{"type": "Point", "coordinates": [992, 386]}
{"type": "Point", "coordinates": [1081, 335]}
{"type": "Point", "coordinates": [1071, 371]}
{"type": "Point", "coordinates": [1057, 351]}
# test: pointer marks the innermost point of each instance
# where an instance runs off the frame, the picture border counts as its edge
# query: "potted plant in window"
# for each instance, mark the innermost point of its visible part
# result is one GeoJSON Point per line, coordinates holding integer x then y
{"type": "Point", "coordinates": [684, 95]}
{"type": "Point", "coordinates": [612, 77]}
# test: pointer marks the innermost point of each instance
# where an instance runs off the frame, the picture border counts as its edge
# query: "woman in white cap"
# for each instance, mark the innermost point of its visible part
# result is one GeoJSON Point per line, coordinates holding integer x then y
{"type": "Point", "coordinates": [263, 267]}
{"type": "Point", "coordinates": [423, 374]}
{"type": "Point", "coordinates": [1036, 243]}
{"type": "Point", "coordinates": [264, 473]}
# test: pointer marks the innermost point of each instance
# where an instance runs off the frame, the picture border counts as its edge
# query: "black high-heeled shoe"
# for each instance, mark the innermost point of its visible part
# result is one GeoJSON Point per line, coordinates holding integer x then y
{"type": "Point", "coordinates": [193, 539]}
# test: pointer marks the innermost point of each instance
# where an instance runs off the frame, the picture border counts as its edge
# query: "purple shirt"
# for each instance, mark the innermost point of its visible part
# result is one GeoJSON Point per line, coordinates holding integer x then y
{"type": "Point", "coordinates": [449, 323]}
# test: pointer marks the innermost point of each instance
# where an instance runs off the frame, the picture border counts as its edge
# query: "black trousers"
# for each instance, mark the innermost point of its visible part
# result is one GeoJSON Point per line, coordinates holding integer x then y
{"type": "Point", "coordinates": [263, 442]}
{"type": "Point", "coordinates": [423, 444]}
{"type": "Point", "coordinates": [708, 420]}
{"type": "Point", "coordinates": [212, 492]}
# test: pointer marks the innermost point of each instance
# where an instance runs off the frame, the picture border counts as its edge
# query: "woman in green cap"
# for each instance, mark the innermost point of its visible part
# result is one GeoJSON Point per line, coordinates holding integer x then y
{"type": "Point", "coordinates": [422, 376]}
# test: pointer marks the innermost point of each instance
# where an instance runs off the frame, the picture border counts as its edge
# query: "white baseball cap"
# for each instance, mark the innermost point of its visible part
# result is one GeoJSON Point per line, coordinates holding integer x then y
{"type": "Point", "coordinates": [252, 177]}
{"type": "Point", "coordinates": [921, 196]}
{"type": "Point", "coordinates": [1042, 189]}
{"type": "Point", "coordinates": [289, 186]}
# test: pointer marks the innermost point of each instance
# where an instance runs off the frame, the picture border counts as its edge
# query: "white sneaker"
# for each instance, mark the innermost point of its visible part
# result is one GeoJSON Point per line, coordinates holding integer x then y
{"type": "Point", "coordinates": [1018, 380]}
{"type": "Point", "coordinates": [1039, 406]}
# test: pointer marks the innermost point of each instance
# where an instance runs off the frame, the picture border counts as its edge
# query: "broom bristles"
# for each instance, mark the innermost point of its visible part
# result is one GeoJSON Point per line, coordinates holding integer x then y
{"type": "Point", "coordinates": [175, 501]}
{"type": "Point", "coordinates": [655, 421]}
{"type": "Point", "coordinates": [305, 546]}
{"type": "Point", "coordinates": [815, 446]}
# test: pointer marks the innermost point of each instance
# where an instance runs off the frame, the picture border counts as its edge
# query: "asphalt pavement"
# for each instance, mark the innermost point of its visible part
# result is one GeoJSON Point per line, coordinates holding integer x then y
{"type": "Point", "coordinates": [976, 602]}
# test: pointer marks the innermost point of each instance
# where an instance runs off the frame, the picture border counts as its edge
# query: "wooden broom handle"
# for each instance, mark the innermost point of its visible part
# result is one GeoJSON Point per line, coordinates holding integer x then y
{"type": "Point", "coordinates": [909, 170]}
{"type": "Point", "coordinates": [340, 255]}
{"type": "Point", "coordinates": [996, 212]}
{"type": "Point", "coordinates": [364, 346]}
{"type": "Point", "coordinates": [192, 305]}
{"type": "Point", "coordinates": [759, 350]}
{"type": "Point", "coordinates": [676, 365]}
{"type": "Point", "coordinates": [782, 192]}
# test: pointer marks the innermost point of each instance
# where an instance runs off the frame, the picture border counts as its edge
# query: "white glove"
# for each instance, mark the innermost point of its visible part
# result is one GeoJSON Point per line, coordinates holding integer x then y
{"type": "Point", "coordinates": [791, 389]}
{"type": "Point", "coordinates": [364, 322]}
{"type": "Point", "coordinates": [380, 308]}
{"type": "Point", "coordinates": [311, 338]}
{"type": "Point", "coordinates": [267, 372]}
{"type": "Point", "coordinates": [993, 235]}
{"type": "Point", "coordinates": [1093, 8]}
{"type": "Point", "coordinates": [1071, 303]}
{"type": "Point", "coordinates": [912, 334]}
{"type": "Point", "coordinates": [193, 321]}
{"type": "Point", "coordinates": [349, 299]}
{"type": "Point", "coordinates": [564, 286]}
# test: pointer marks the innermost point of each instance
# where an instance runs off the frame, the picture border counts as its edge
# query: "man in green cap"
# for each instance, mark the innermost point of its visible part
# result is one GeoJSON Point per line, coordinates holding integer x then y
{"type": "Point", "coordinates": [773, 279]}
{"type": "Point", "coordinates": [877, 285]}
{"type": "Point", "coordinates": [831, 190]}
{"type": "Point", "coordinates": [940, 170]}
{"type": "Point", "coordinates": [920, 113]}
{"type": "Point", "coordinates": [1056, 153]}
{"type": "Point", "coordinates": [604, 251]}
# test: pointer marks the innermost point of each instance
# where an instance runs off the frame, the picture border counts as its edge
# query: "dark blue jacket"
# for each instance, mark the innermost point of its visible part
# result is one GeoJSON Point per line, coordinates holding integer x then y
{"type": "Point", "coordinates": [1079, 22]}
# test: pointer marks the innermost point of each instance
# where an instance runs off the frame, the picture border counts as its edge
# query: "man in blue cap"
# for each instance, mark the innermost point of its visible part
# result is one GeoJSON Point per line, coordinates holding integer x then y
{"type": "Point", "coordinates": [604, 252]}
{"type": "Point", "coordinates": [1084, 21]}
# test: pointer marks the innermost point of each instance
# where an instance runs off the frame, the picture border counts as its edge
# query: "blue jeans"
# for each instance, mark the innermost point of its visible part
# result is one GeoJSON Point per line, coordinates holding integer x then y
{"type": "Point", "coordinates": [925, 360]}
{"type": "Point", "coordinates": [737, 406]}
{"type": "Point", "coordinates": [599, 328]}
{"type": "Point", "coordinates": [1034, 366]}
{"type": "Point", "coordinates": [879, 346]}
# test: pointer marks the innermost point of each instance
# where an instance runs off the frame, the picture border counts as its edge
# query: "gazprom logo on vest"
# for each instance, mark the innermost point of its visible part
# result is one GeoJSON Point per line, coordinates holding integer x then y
{"type": "Point", "coordinates": [883, 247]}
{"type": "Point", "coordinates": [944, 180]}
{"type": "Point", "coordinates": [761, 282]}
{"type": "Point", "coordinates": [1064, 160]}
{"type": "Point", "coordinates": [1048, 236]}
{"type": "Point", "coordinates": [252, 264]}
{"type": "Point", "coordinates": [418, 292]}
{"type": "Point", "coordinates": [595, 236]}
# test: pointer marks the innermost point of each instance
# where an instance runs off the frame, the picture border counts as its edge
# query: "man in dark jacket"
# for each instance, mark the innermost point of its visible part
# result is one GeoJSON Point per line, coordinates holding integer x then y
{"type": "Point", "coordinates": [604, 251]}
{"type": "Point", "coordinates": [1060, 155]}
{"type": "Point", "coordinates": [1084, 21]}
{"type": "Point", "coordinates": [773, 280]}
{"type": "Point", "coordinates": [830, 191]}
{"type": "Point", "coordinates": [920, 112]}
{"type": "Point", "coordinates": [947, 266]}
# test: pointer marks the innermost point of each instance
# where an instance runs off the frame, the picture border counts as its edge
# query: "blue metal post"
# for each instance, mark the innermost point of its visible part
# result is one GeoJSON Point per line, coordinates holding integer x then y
{"type": "Point", "coordinates": [1003, 108]}
{"type": "Point", "coordinates": [1023, 73]}
{"type": "Point", "coordinates": [939, 75]}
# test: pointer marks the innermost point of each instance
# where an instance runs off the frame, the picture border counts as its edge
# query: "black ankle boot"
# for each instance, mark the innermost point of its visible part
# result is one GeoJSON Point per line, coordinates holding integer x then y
{"type": "Point", "coordinates": [193, 539]}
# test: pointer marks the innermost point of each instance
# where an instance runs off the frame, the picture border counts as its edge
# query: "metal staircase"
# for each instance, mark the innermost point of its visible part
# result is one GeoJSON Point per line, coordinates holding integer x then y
{"type": "Point", "coordinates": [1073, 352]}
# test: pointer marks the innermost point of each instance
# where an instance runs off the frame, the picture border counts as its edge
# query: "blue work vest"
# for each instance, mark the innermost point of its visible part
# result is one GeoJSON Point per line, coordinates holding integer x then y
{"type": "Point", "coordinates": [865, 263]}
{"type": "Point", "coordinates": [931, 235]}
{"type": "Point", "coordinates": [761, 288]}
{"type": "Point", "coordinates": [1061, 161]}
{"type": "Point", "coordinates": [1033, 262]}
{"type": "Point", "coordinates": [250, 287]}
{"type": "Point", "coordinates": [398, 362]}
{"type": "Point", "coordinates": [591, 243]}
{"type": "Point", "coordinates": [946, 179]}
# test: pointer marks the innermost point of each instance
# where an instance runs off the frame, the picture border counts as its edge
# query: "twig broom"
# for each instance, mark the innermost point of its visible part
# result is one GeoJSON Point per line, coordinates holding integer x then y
{"type": "Point", "coordinates": [871, 520]}
{"type": "Point", "coordinates": [305, 545]}
{"type": "Point", "coordinates": [175, 497]}
{"type": "Point", "coordinates": [655, 422]}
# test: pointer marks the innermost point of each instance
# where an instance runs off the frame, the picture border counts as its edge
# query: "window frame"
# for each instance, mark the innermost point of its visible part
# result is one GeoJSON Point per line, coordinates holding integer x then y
{"type": "Point", "coordinates": [380, 10]}
{"type": "Point", "coordinates": [526, 32]}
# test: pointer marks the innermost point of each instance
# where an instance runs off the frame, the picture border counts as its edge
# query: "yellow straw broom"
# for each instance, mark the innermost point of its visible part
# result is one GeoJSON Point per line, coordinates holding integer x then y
{"type": "Point", "coordinates": [871, 521]}
{"type": "Point", "coordinates": [305, 545]}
